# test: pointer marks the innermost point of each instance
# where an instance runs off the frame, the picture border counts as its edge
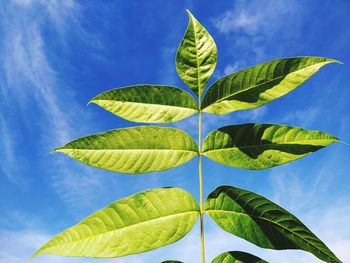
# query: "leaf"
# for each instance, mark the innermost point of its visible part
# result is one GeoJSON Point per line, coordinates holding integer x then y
{"type": "Point", "coordinates": [262, 222]}
{"type": "Point", "coordinates": [140, 149]}
{"type": "Point", "coordinates": [237, 257]}
{"type": "Point", "coordinates": [196, 56]}
{"type": "Point", "coordinates": [148, 103]}
{"type": "Point", "coordinates": [135, 224]}
{"type": "Point", "coordinates": [260, 146]}
{"type": "Point", "coordinates": [253, 87]}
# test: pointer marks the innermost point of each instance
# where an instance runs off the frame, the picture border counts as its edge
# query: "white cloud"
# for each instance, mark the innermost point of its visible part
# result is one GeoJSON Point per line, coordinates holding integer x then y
{"type": "Point", "coordinates": [29, 75]}
{"type": "Point", "coordinates": [231, 68]}
{"type": "Point", "coordinates": [7, 157]}
{"type": "Point", "coordinates": [36, 99]}
{"type": "Point", "coordinates": [256, 17]}
{"type": "Point", "coordinates": [238, 20]}
{"type": "Point", "coordinates": [255, 29]}
{"type": "Point", "coordinates": [253, 115]}
{"type": "Point", "coordinates": [304, 118]}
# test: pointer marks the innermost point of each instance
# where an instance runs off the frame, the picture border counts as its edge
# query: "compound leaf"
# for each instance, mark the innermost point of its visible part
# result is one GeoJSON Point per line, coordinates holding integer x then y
{"type": "Point", "coordinates": [148, 103]}
{"type": "Point", "coordinates": [196, 56]}
{"type": "Point", "coordinates": [141, 149]}
{"type": "Point", "coordinates": [135, 224]}
{"type": "Point", "coordinates": [253, 87]}
{"type": "Point", "coordinates": [260, 146]}
{"type": "Point", "coordinates": [237, 257]}
{"type": "Point", "coordinates": [262, 222]}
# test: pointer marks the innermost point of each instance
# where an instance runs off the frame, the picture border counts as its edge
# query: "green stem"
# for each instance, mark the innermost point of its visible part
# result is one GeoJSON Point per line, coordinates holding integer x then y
{"type": "Point", "coordinates": [201, 184]}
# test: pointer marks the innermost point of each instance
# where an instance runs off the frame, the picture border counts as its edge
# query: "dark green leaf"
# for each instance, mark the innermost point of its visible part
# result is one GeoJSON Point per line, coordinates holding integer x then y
{"type": "Point", "coordinates": [253, 87]}
{"type": "Point", "coordinates": [262, 222]}
{"type": "Point", "coordinates": [261, 146]}
{"type": "Point", "coordinates": [237, 257]}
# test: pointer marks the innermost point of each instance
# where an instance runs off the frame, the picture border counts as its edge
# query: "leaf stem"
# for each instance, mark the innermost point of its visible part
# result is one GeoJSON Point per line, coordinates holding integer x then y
{"type": "Point", "coordinates": [201, 184]}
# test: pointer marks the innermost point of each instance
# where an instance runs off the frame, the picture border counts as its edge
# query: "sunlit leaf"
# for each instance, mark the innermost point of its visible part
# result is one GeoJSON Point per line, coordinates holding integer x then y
{"type": "Point", "coordinates": [260, 146]}
{"type": "Point", "coordinates": [253, 87]}
{"type": "Point", "coordinates": [196, 57]}
{"type": "Point", "coordinates": [148, 103]}
{"type": "Point", "coordinates": [135, 224]}
{"type": "Point", "coordinates": [262, 222]}
{"type": "Point", "coordinates": [237, 257]}
{"type": "Point", "coordinates": [140, 149]}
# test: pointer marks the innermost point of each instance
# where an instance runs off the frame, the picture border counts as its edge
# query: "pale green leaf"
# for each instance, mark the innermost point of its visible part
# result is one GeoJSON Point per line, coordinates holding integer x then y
{"type": "Point", "coordinates": [135, 224]}
{"type": "Point", "coordinates": [237, 257]}
{"type": "Point", "coordinates": [262, 222]}
{"type": "Point", "coordinates": [196, 56]}
{"type": "Point", "coordinates": [148, 103]}
{"type": "Point", "coordinates": [141, 149]}
{"type": "Point", "coordinates": [253, 87]}
{"type": "Point", "coordinates": [261, 146]}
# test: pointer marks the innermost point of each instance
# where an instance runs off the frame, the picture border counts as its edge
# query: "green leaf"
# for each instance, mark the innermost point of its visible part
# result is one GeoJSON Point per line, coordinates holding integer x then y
{"type": "Point", "coordinates": [148, 103]}
{"type": "Point", "coordinates": [260, 146]}
{"type": "Point", "coordinates": [140, 149]}
{"type": "Point", "coordinates": [135, 224]}
{"type": "Point", "coordinates": [253, 87]}
{"type": "Point", "coordinates": [196, 56]}
{"type": "Point", "coordinates": [237, 257]}
{"type": "Point", "coordinates": [262, 222]}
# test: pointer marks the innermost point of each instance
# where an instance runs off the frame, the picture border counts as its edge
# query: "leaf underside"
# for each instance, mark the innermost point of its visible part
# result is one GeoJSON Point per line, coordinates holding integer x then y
{"type": "Point", "coordinates": [261, 146]}
{"type": "Point", "coordinates": [148, 103]}
{"type": "Point", "coordinates": [135, 224]}
{"type": "Point", "coordinates": [196, 56]}
{"type": "Point", "coordinates": [262, 222]}
{"type": "Point", "coordinates": [237, 257]}
{"type": "Point", "coordinates": [254, 87]}
{"type": "Point", "coordinates": [141, 149]}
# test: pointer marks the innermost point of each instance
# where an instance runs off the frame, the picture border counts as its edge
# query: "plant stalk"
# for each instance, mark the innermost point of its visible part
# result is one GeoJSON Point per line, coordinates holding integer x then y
{"type": "Point", "coordinates": [201, 184]}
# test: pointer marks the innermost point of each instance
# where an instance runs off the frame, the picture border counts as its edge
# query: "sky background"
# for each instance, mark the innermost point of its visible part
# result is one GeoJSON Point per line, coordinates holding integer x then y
{"type": "Point", "coordinates": [56, 55]}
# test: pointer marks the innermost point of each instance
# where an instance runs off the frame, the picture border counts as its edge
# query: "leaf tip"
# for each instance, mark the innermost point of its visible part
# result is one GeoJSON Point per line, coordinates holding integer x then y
{"type": "Point", "coordinates": [190, 15]}
{"type": "Point", "coordinates": [58, 149]}
{"type": "Point", "coordinates": [93, 100]}
{"type": "Point", "coordinates": [37, 253]}
{"type": "Point", "coordinates": [336, 139]}
{"type": "Point", "coordinates": [337, 61]}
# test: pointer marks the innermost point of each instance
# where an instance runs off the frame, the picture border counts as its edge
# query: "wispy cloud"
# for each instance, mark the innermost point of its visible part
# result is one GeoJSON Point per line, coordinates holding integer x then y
{"type": "Point", "coordinates": [255, 27]}
{"type": "Point", "coordinates": [8, 156]}
{"type": "Point", "coordinates": [304, 117]}
{"type": "Point", "coordinates": [231, 68]}
{"type": "Point", "coordinates": [34, 97]}
{"type": "Point", "coordinates": [257, 18]}
{"type": "Point", "coordinates": [253, 115]}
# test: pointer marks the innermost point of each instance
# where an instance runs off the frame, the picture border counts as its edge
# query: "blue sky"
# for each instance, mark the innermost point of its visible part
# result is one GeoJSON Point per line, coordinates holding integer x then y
{"type": "Point", "coordinates": [56, 55]}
